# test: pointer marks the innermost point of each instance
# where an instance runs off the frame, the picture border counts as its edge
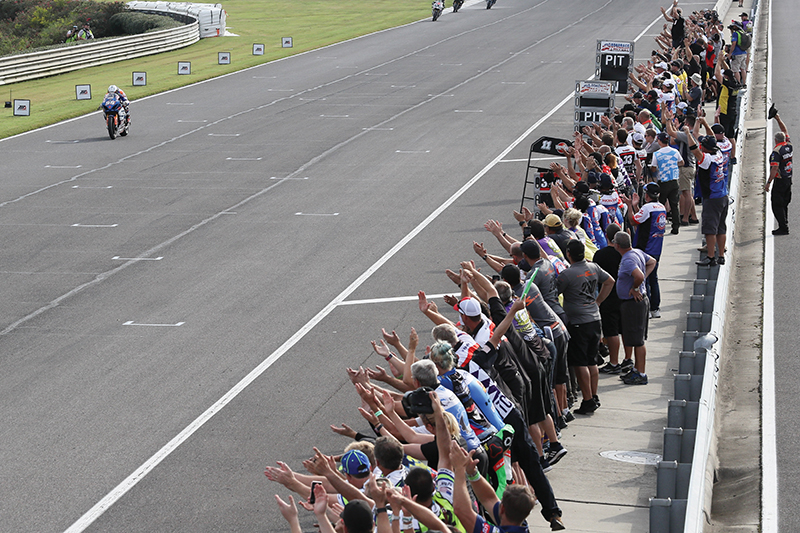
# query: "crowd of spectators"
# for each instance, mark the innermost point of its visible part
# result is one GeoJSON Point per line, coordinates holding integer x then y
{"type": "Point", "coordinates": [461, 436]}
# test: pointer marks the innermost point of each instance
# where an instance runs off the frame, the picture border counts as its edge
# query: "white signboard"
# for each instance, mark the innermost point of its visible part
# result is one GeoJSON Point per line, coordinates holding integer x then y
{"type": "Point", "coordinates": [184, 67]}
{"type": "Point", "coordinates": [83, 92]}
{"type": "Point", "coordinates": [286, 42]}
{"type": "Point", "coordinates": [615, 47]}
{"type": "Point", "coordinates": [258, 49]}
{"type": "Point", "coordinates": [22, 108]}
{"type": "Point", "coordinates": [139, 78]}
{"type": "Point", "coordinates": [224, 58]}
{"type": "Point", "coordinates": [594, 87]}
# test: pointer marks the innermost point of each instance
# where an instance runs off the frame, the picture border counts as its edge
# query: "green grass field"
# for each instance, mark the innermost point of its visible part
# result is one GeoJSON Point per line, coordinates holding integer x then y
{"type": "Point", "coordinates": [311, 24]}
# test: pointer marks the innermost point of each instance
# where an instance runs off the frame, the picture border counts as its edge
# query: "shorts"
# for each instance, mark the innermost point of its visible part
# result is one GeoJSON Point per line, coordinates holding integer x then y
{"type": "Point", "coordinates": [715, 210]}
{"type": "Point", "coordinates": [560, 372]}
{"type": "Point", "coordinates": [584, 343]}
{"type": "Point", "coordinates": [634, 317]}
{"type": "Point", "coordinates": [686, 179]}
{"type": "Point", "coordinates": [738, 62]}
{"type": "Point", "coordinates": [610, 318]}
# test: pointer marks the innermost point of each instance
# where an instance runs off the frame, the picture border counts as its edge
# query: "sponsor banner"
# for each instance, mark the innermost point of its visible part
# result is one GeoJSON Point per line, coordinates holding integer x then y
{"type": "Point", "coordinates": [594, 87]}
{"type": "Point", "coordinates": [139, 78]}
{"type": "Point", "coordinates": [617, 47]}
{"type": "Point", "coordinates": [22, 108]}
{"type": "Point", "coordinates": [258, 49]}
{"type": "Point", "coordinates": [184, 67]}
{"type": "Point", "coordinates": [224, 58]}
{"type": "Point", "coordinates": [286, 42]}
{"type": "Point", "coordinates": [83, 92]}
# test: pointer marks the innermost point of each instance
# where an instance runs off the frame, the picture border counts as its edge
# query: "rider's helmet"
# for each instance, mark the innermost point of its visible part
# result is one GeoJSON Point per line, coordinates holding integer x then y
{"type": "Point", "coordinates": [113, 88]}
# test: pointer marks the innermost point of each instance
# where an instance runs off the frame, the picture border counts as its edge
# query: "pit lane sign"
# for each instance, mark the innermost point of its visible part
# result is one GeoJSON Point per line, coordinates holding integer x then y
{"type": "Point", "coordinates": [613, 63]}
{"type": "Point", "coordinates": [593, 99]}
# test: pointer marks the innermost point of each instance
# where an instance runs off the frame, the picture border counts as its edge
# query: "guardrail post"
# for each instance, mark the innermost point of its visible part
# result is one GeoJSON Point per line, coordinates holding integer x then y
{"type": "Point", "coordinates": [691, 362]}
{"type": "Point", "coordinates": [705, 287]}
{"type": "Point", "coordinates": [666, 479]}
{"type": "Point", "coordinates": [672, 444]}
{"type": "Point", "coordinates": [705, 272]}
{"type": "Point", "coordinates": [687, 445]}
{"type": "Point", "coordinates": [676, 413]}
{"type": "Point", "coordinates": [660, 515]}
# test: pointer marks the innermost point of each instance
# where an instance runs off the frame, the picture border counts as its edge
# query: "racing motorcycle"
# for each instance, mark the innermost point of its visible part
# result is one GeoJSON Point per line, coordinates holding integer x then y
{"type": "Point", "coordinates": [115, 116]}
{"type": "Point", "coordinates": [457, 5]}
{"type": "Point", "coordinates": [436, 8]}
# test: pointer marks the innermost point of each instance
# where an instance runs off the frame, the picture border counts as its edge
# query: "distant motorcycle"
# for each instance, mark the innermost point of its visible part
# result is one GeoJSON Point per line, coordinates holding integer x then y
{"type": "Point", "coordinates": [115, 116]}
{"type": "Point", "coordinates": [457, 5]}
{"type": "Point", "coordinates": [490, 3]}
{"type": "Point", "coordinates": [436, 8]}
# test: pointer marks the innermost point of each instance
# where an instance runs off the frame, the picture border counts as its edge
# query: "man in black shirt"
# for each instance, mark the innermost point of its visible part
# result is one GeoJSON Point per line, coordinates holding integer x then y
{"type": "Point", "coordinates": [780, 170]}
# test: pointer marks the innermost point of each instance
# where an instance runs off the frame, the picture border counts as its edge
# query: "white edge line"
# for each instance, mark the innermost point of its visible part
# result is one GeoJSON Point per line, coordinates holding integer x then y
{"type": "Point", "coordinates": [769, 455]}
{"type": "Point", "coordinates": [389, 300]}
{"type": "Point", "coordinates": [128, 483]}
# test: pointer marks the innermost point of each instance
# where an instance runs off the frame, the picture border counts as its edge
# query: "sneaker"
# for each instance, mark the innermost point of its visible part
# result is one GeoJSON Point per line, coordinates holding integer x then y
{"type": "Point", "coordinates": [587, 407]}
{"type": "Point", "coordinates": [675, 230]}
{"type": "Point", "coordinates": [721, 260]}
{"type": "Point", "coordinates": [707, 261]}
{"type": "Point", "coordinates": [684, 222]}
{"type": "Point", "coordinates": [608, 368]}
{"type": "Point", "coordinates": [626, 364]}
{"type": "Point", "coordinates": [635, 378]}
{"type": "Point", "coordinates": [568, 416]}
{"type": "Point", "coordinates": [546, 466]}
{"type": "Point", "coordinates": [557, 451]}
{"type": "Point", "coordinates": [781, 231]}
{"type": "Point", "coordinates": [603, 349]}
{"type": "Point", "coordinates": [655, 313]}
{"type": "Point", "coordinates": [561, 423]}
{"type": "Point", "coordinates": [703, 249]}
{"type": "Point", "coordinates": [733, 159]}
{"type": "Point", "coordinates": [693, 221]}
{"type": "Point", "coordinates": [596, 399]}
{"type": "Point", "coordinates": [556, 524]}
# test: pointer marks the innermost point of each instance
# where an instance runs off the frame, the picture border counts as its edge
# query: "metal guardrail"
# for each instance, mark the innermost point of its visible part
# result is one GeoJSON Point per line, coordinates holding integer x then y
{"type": "Point", "coordinates": [24, 67]}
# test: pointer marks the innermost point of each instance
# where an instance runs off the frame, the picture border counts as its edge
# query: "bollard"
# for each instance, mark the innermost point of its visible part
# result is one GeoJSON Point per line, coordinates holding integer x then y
{"type": "Point", "coordinates": [666, 479]}
{"type": "Point", "coordinates": [672, 444]}
{"type": "Point", "coordinates": [676, 413]}
{"type": "Point", "coordinates": [660, 515]}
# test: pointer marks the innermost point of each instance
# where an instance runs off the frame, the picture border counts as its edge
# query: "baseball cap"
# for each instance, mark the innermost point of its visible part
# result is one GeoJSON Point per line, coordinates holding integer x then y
{"type": "Point", "coordinates": [637, 94]}
{"type": "Point", "coordinates": [582, 187]}
{"type": "Point", "coordinates": [530, 248]}
{"type": "Point", "coordinates": [652, 94]}
{"type": "Point", "coordinates": [718, 129]}
{"type": "Point", "coordinates": [669, 82]}
{"type": "Point", "coordinates": [638, 138]}
{"type": "Point", "coordinates": [469, 307]}
{"type": "Point", "coordinates": [745, 15]}
{"type": "Point", "coordinates": [552, 221]}
{"type": "Point", "coordinates": [662, 65]}
{"type": "Point", "coordinates": [356, 463]}
{"type": "Point", "coordinates": [592, 177]}
{"type": "Point", "coordinates": [357, 517]}
{"type": "Point", "coordinates": [677, 63]}
{"type": "Point", "coordinates": [652, 189]}
{"type": "Point", "coordinates": [663, 137]}
{"type": "Point", "coordinates": [709, 143]}
{"type": "Point", "coordinates": [606, 182]}
{"type": "Point", "coordinates": [682, 105]}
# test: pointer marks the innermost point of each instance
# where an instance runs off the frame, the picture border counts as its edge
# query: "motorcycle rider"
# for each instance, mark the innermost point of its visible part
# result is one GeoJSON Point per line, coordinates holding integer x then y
{"type": "Point", "coordinates": [113, 89]}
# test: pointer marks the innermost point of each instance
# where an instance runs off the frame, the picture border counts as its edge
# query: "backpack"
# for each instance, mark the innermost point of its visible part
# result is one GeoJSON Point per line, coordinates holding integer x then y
{"type": "Point", "coordinates": [744, 40]}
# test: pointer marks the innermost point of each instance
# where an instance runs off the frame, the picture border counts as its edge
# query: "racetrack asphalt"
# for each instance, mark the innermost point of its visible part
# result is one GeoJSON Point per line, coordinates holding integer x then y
{"type": "Point", "coordinates": [144, 278]}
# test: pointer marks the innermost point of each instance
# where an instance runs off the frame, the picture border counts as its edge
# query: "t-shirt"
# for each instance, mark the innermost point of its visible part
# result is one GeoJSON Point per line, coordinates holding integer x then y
{"type": "Point", "coordinates": [652, 219]}
{"type": "Point", "coordinates": [545, 279]}
{"type": "Point", "coordinates": [539, 311]}
{"type": "Point", "coordinates": [442, 501]}
{"type": "Point", "coordinates": [579, 285]}
{"type": "Point", "coordinates": [479, 397]}
{"type": "Point", "coordinates": [711, 176]}
{"type": "Point", "coordinates": [465, 350]}
{"type": "Point", "coordinates": [452, 405]}
{"type": "Point", "coordinates": [627, 157]}
{"type": "Point", "coordinates": [608, 259]}
{"type": "Point", "coordinates": [632, 260]}
{"type": "Point", "coordinates": [781, 157]}
{"type": "Point", "coordinates": [667, 160]}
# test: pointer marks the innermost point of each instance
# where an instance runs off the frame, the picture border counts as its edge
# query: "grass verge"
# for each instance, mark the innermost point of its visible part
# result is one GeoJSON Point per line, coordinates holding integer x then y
{"type": "Point", "coordinates": [311, 24]}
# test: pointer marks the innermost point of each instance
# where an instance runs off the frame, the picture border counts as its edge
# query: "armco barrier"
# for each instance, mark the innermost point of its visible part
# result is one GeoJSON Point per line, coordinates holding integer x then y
{"type": "Point", "coordinates": [24, 67]}
{"type": "Point", "coordinates": [685, 475]}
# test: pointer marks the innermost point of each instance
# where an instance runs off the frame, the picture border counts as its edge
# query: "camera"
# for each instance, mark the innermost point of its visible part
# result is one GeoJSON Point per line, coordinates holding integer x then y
{"type": "Point", "coordinates": [417, 402]}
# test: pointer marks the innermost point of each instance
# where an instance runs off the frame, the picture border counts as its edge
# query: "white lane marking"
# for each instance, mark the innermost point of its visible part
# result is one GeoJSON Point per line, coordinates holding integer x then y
{"type": "Point", "coordinates": [264, 77]}
{"type": "Point", "coordinates": [132, 323]}
{"type": "Point", "coordinates": [378, 129]}
{"type": "Point", "coordinates": [468, 111]}
{"type": "Point", "coordinates": [769, 439]}
{"type": "Point", "coordinates": [62, 142]}
{"type": "Point", "coordinates": [452, 64]}
{"type": "Point", "coordinates": [118, 258]}
{"type": "Point", "coordinates": [440, 95]}
{"type": "Point", "coordinates": [94, 225]}
{"type": "Point", "coordinates": [389, 300]}
{"type": "Point", "coordinates": [376, 74]}
{"type": "Point", "coordinates": [299, 214]}
{"type": "Point", "coordinates": [243, 159]}
{"type": "Point", "coordinates": [276, 178]}
{"type": "Point", "coordinates": [335, 116]}
{"type": "Point", "coordinates": [412, 151]}
{"type": "Point", "coordinates": [180, 103]}
{"type": "Point", "coordinates": [192, 121]}
{"type": "Point", "coordinates": [224, 134]}
{"type": "Point", "coordinates": [280, 90]}
{"type": "Point", "coordinates": [532, 159]}
{"type": "Point", "coordinates": [402, 86]}
{"type": "Point", "coordinates": [90, 187]}
{"type": "Point", "coordinates": [62, 166]}
{"type": "Point", "coordinates": [512, 83]}
{"type": "Point", "coordinates": [311, 99]}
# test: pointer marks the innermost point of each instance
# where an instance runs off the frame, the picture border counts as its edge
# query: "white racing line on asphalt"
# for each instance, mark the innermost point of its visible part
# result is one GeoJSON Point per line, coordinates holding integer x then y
{"type": "Point", "coordinates": [769, 455]}
{"type": "Point", "coordinates": [133, 479]}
